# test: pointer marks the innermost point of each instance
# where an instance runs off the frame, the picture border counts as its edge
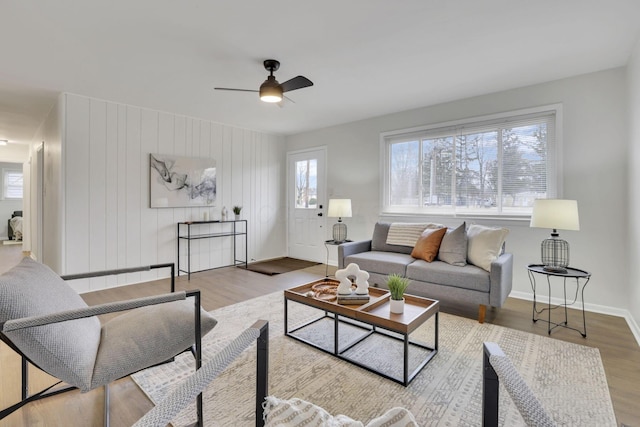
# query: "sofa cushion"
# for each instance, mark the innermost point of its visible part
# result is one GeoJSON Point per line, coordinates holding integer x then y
{"type": "Point", "coordinates": [453, 248]}
{"type": "Point", "coordinates": [427, 246]}
{"type": "Point", "coordinates": [467, 277]}
{"type": "Point", "coordinates": [381, 262]}
{"type": "Point", "coordinates": [485, 244]}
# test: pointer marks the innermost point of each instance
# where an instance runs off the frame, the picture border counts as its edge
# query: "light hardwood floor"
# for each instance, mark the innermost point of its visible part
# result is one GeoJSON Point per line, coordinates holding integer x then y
{"type": "Point", "coordinates": [611, 335]}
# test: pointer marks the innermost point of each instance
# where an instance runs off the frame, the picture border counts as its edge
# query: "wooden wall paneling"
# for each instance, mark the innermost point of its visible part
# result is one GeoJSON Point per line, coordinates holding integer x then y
{"type": "Point", "coordinates": [277, 203]}
{"type": "Point", "coordinates": [133, 192]}
{"type": "Point", "coordinates": [112, 171]}
{"type": "Point", "coordinates": [121, 209]}
{"type": "Point", "coordinates": [248, 187]}
{"type": "Point", "coordinates": [179, 149]}
{"type": "Point", "coordinates": [76, 181]}
{"type": "Point", "coordinates": [166, 230]}
{"type": "Point", "coordinates": [98, 180]}
{"type": "Point", "coordinates": [149, 217]}
{"type": "Point", "coordinates": [216, 152]}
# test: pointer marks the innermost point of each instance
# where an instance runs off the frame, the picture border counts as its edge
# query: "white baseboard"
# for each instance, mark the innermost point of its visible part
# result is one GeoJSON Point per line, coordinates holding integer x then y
{"type": "Point", "coordinates": [595, 308]}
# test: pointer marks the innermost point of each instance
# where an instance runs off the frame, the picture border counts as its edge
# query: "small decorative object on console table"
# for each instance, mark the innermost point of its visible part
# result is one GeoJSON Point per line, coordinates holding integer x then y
{"type": "Point", "coordinates": [339, 208]}
{"type": "Point", "coordinates": [236, 211]}
{"type": "Point", "coordinates": [555, 214]}
{"type": "Point", "coordinates": [397, 285]}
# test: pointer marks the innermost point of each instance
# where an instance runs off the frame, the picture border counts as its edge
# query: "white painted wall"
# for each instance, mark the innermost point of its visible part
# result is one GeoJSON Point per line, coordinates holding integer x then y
{"type": "Point", "coordinates": [107, 220]}
{"type": "Point", "coordinates": [595, 148]}
{"type": "Point", "coordinates": [49, 133]}
{"type": "Point", "coordinates": [633, 74]}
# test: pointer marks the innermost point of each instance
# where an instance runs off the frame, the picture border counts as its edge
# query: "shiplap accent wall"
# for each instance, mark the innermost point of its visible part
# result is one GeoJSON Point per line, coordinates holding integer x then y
{"type": "Point", "coordinates": [108, 221]}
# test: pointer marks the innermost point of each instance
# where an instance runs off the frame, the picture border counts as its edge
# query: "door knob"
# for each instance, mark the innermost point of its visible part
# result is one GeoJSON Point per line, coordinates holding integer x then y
{"type": "Point", "coordinates": [320, 214]}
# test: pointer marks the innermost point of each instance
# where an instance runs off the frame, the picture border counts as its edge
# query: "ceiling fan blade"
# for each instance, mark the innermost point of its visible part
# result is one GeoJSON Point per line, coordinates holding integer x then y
{"type": "Point", "coordinates": [235, 90]}
{"type": "Point", "coordinates": [296, 83]}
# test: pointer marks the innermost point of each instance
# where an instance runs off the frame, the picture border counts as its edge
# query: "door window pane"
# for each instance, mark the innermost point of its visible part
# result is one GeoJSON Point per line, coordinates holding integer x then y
{"type": "Point", "coordinates": [306, 185]}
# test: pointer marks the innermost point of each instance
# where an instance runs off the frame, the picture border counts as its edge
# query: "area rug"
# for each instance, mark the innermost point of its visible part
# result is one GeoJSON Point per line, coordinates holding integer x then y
{"type": "Point", "coordinates": [279, 265]}
{"type": "Point", "coordinates": [568, 379]}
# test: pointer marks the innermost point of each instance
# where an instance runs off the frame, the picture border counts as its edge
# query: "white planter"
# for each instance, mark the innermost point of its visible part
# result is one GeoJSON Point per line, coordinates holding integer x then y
{"type": "Point", "coordinates": [237, 217]}
{"type": "Point", "coordinates": [396, 306]}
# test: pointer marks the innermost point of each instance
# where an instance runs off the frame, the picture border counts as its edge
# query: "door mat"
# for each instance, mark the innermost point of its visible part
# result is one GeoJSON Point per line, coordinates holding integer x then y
{"type": "Point", "coordinates": [279, 265]}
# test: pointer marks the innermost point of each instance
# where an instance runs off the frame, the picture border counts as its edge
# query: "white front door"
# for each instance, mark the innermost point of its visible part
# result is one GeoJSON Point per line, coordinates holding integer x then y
{"type": "Point", "coordinates": [306, 183]}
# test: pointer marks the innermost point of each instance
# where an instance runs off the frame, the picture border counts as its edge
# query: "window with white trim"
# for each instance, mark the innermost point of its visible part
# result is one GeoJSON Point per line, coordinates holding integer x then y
{"type": "Point", "coordinates": [12, 184]}
{"type": "Point", "coordinates": [483, 167]}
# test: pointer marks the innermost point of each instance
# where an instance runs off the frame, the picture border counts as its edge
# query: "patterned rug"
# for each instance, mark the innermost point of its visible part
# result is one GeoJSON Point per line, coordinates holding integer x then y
{"type": "Point", "coordinates": [568, 379]}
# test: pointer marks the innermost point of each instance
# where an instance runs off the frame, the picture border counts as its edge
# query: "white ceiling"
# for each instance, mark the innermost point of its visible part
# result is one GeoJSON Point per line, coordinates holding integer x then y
{"type": "Point", "coordinates": [365, 57]}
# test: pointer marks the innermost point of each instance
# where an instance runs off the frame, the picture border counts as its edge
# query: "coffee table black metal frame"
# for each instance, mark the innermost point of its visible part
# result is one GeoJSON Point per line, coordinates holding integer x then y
{"type": "Point", "coordinates": [571, 273]}
{"type": "Point", "coordinates": [369, 330]}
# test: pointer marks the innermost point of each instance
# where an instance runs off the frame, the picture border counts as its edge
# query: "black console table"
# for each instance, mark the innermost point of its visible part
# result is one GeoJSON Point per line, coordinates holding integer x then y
{"type": "Point", "coordinates": [232, 229]}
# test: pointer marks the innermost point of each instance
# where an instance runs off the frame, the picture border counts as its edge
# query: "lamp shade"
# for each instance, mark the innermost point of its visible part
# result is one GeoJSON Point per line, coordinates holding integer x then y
{"type": "Point", "coordinates": [556, 214]}
{"type": "Point", "coordinates": [339, 208]}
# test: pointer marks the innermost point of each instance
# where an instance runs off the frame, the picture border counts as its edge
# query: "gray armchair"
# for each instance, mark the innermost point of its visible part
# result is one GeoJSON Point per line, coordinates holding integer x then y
{"type": "Point", "coordinates": [45, 321]}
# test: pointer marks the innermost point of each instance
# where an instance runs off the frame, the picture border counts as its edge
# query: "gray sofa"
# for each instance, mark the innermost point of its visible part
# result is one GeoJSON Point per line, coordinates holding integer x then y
{"type": "Point", "coordinates": [438, 280]}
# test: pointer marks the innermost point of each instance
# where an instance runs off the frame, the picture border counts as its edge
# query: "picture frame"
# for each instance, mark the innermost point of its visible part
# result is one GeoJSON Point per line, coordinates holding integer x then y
{"type": "Point", "coordinates": [178, 181]}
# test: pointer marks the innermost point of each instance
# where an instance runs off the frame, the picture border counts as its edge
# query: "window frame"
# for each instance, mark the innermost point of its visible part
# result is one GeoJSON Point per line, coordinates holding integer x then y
{"type": "Point", "coordinates": [554, 159]}
{"type": "Point", "coordinates": [5, 173]}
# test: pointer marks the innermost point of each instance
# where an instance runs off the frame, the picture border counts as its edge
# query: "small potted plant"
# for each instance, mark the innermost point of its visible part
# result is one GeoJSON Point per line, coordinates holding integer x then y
{"type": "Point", "coordinates": [397, 285]}
{"type": "Point", "coordinates": [236, 211]}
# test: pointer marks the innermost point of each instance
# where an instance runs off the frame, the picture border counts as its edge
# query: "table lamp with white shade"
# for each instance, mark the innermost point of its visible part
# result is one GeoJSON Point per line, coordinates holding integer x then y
{"type": "Point", "coordinates": [339, 208]}
{"type": "Point", "coordinates": [555, 214]}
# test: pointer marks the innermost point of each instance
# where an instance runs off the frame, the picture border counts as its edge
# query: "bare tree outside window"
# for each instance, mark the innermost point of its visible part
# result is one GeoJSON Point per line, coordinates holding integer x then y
{"type": "Point", "coordinates": [498, 168]}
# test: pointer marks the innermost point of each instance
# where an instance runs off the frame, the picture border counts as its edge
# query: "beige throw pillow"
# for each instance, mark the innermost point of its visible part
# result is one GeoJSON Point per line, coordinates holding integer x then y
{"type": "Point", "coordinates": [484, 245]}
{"type": "Point", "coordinates": [427, 246]}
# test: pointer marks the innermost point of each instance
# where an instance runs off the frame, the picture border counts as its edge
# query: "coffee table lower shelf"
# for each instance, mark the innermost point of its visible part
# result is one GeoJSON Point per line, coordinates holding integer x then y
{"type": "Point", "coordinates": [341, 348]}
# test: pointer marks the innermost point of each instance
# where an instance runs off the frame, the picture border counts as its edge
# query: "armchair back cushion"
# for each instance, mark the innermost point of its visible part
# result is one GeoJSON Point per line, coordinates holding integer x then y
{"type": "Point", "coordinates": [33, 289]}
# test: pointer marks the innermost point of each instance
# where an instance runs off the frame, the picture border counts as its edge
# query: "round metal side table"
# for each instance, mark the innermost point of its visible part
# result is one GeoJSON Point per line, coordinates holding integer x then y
{"type": "Point", "coordinates": [581, 279]}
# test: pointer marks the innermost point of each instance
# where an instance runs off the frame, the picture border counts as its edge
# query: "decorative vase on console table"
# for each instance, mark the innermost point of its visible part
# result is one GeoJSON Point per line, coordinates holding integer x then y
{"type": "Point", "coordinates": [397, 285]}
{"type": "Point", "coordinates": [236, 211]}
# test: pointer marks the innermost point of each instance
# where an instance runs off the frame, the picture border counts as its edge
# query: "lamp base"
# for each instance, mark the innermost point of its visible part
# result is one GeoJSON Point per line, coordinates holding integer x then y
{"type": "Point", "coordinates": [339, 232]}
{"type": "Point", "coordinates": [555, 254]}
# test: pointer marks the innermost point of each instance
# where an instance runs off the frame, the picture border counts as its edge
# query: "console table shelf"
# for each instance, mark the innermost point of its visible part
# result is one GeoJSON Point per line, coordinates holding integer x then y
{"type": "Point", "coordinates": [236, 231]}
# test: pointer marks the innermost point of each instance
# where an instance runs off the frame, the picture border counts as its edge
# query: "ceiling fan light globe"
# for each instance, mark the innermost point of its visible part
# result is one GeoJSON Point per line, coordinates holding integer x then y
{"type": "Point", "coordinates": [270, 98]}
{"type": "Point", "coordinates": [270, 91]}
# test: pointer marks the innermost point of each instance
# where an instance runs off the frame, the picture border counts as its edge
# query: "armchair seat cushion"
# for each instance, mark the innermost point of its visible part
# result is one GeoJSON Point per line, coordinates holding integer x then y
{"type": "Point", "coordinates": [144, 337]}
{"type": "Point", "coordinates": [33, 289]}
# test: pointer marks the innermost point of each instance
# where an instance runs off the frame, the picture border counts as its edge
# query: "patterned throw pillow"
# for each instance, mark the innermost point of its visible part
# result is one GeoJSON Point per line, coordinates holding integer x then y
{"type": "Point", "coordinates": [299, 413]}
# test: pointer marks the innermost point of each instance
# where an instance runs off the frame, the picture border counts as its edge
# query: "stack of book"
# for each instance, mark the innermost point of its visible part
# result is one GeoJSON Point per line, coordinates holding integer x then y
{"type": "Point", "coordinates": [353, 299]}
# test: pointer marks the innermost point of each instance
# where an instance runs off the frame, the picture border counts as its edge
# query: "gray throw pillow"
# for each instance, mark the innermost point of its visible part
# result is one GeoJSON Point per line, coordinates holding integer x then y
{"type": "Point", "coordinates": [453, 248]}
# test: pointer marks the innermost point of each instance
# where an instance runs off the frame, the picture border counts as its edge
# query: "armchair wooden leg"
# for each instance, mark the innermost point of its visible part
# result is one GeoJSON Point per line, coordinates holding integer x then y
{"type": "Point", "coordinates": [482, 310]}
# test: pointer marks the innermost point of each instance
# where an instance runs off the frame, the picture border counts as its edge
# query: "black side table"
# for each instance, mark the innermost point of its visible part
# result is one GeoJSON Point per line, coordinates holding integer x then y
{"type": "Point", "coordinates": [326, 245]}
{"type": "Point", "coordinates": [572, 273]}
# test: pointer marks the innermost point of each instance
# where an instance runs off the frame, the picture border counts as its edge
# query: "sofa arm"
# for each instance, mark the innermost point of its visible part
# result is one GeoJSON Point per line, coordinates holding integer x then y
{"type": "Point", "coordinates": [350, 248]}
{"type": "Point", "coordinates": [501, 279]}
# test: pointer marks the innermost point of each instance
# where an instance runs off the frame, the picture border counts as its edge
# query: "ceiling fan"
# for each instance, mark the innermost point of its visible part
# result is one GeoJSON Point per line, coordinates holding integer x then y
{"type": "Point", "coordinates": [271, 90]}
